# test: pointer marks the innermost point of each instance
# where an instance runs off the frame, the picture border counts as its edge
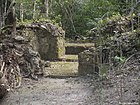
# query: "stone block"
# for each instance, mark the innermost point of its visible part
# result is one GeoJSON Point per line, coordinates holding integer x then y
{"type": "Point", "coordinates": [76, 48]}
{"type": "Point", "coordinates": [88, 62]}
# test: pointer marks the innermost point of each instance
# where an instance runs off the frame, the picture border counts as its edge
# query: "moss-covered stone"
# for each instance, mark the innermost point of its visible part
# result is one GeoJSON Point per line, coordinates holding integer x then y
{"type": "Point", "coordinates": [46, 38]}
{"type": "Point", "coordinates": [88, 62]}
{"type": "Point", "coordinates": [76, 48]}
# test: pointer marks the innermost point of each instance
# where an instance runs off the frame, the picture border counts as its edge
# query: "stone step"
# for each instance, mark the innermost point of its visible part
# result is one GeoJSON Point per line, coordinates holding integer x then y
{"type": "Point", "coordinates": [69, 58]}
{"type": "Point", "coordinates": [62, 69]}
{"type": "Point", "coordinates": [76, 48]}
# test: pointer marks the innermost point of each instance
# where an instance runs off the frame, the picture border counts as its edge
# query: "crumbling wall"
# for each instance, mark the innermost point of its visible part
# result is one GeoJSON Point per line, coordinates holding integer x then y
{"type": "Point", "coordinates": [94, 61]}
{"type": "Point", "coordinates": [76, 48]}
{"type": "Point", "coordinates": [88, 62]}
{"type": "Point", "coordinates": [46, 38]}
{"type": "Point", "coordinates": [33, 39]}
{"type": "Point", "coordinates": [19, 56]}
{"type": "Point", "coordinates": [17, 60]}
{"type": "Point", "coordinates": [50, 46]}
{"type": "Point", "coordinates": [60, 46]}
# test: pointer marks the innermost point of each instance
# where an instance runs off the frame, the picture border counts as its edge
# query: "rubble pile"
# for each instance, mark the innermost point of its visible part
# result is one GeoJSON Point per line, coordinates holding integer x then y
{"type": "Point", "coordinates": [17, 60]}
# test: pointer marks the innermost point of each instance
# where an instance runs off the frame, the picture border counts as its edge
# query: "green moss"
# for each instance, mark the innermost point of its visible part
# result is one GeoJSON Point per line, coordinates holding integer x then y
{"type": "Point", "coordinates": [104, 69]}
{"type": "Point", "coordinates": [25, 22]}
{"type": "Point", "coordinates": [63, 69]}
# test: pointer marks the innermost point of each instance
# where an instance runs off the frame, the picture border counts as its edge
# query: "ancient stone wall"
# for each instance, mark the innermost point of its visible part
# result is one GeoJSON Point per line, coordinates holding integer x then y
{"type": "Point", "coordinates": [94, 61]}
{"type": "Point", "coordinates": [46, 38]}
{"type": "Point", "coordinates": [50, 47]}
{"type": "Point", "coordinates": [88, 62]}
{"type": "Point", "coordinates": [76, 48]}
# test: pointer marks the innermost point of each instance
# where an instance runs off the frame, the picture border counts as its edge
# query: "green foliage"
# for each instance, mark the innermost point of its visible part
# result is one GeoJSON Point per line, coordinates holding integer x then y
{"type": "Point", "coordinates": [77, 17]}
{"type": "Point", "coordinates": [120, 59]}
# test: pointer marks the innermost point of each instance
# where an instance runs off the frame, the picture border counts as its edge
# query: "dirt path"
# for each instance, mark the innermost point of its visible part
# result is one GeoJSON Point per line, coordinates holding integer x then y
{"type": "Point", "coordinates": [61, 90]}
{"type": "Point", "coordinates": [48, 91]}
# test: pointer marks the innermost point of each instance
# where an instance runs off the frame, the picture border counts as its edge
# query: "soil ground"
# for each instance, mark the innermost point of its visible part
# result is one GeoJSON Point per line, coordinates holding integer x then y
{"type": "Point", "coordinates": [50, 91]}
{"type": "Point", "coordinates": [63, 87]}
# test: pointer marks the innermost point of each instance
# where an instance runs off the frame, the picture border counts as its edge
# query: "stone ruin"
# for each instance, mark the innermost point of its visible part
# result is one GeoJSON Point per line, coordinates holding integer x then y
{"type": "Point", "coordinates": [46, 38]}
{"type": "Point", "coordinates": [50, 41]}
{"type": "Point", "coordinates": [17, 60]}
{"type": "Point", "coordinates": [88, 62]}
{"type": "Point", "coordinates": [21, 56]}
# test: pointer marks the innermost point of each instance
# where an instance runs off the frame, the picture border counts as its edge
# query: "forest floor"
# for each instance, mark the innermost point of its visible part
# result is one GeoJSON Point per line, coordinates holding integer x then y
{"type": "Point", "coordinates": [50, 91]}
{"type": "Point", "coordinates": [62, 87]}
{"type": "Point", "coordinates": [69, 89]}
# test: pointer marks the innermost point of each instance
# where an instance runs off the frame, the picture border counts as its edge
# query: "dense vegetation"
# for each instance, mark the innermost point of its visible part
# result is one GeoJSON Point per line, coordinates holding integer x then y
{"type": "Point", "coordinates": [76, 17]}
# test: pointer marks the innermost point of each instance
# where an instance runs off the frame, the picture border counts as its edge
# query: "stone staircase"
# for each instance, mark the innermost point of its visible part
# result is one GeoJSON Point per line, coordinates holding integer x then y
{"type": "Point", "coordinates": [76, 48]}
{"type": "Point", "coordinates": [69, 58]}
{"type": "Point", "coordinates": [67, 65]}
{"type": "Point", "coordinates": [61, 69]}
